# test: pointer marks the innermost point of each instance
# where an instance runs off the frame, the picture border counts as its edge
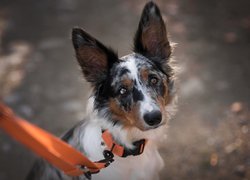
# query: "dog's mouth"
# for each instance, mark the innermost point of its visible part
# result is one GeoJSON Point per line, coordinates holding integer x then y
{"type": "Point", "coordinates": [146, 127]}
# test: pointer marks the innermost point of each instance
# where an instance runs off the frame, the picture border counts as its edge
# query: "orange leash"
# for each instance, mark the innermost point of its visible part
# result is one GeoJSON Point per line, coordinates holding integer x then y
{"type": "Point", "coordinates": [54, 150]}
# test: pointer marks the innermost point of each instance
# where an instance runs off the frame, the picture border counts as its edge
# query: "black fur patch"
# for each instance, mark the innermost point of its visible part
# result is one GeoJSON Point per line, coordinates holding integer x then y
{"type": "Point", "coordinates": [137, 95]}
{"type": "Point", "coordinates": [123, 71]}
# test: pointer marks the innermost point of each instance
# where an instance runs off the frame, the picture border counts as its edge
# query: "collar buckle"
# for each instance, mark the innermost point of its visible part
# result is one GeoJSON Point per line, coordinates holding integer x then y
{"type": "Point", "coordinates": [139, 148]}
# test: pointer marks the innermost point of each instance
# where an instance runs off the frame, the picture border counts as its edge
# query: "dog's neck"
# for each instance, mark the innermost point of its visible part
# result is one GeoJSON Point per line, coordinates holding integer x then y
{"type": "Point", "coordinates": [120, 134]}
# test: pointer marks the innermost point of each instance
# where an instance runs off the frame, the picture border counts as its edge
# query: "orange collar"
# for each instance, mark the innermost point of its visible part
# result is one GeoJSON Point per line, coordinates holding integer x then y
{"type": "Point", "coordinates": [121, 151]}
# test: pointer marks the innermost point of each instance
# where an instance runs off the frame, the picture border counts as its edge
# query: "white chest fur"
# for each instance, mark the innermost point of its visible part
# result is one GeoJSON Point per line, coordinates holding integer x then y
{"type": "Point", "coordinates": [142, 167]}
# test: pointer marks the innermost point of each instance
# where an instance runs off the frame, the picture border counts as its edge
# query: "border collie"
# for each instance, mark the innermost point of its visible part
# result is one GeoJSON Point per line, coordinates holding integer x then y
{"type": "Point", "coordinates": [132, 98]}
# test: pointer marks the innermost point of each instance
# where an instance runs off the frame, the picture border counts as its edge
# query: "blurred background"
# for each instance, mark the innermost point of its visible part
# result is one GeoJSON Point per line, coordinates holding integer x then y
{"type": "Point", "coordinates": [209, 138]}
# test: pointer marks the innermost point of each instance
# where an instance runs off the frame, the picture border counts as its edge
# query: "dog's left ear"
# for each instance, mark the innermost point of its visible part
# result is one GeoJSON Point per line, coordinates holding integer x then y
{"type": "Point", "coordinates": [94, 58]}
{"type": "Point", "coordinates": [151, 37]}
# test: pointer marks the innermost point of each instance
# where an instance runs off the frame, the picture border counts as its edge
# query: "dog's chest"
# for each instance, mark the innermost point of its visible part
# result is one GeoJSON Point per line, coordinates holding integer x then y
{"type": "Point", "coordinates": [145, 166]}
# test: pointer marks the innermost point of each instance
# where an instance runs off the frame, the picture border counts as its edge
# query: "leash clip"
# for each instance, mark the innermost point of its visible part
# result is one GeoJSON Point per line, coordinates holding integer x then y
{"type": "Point", "coordinates": [86, 171]}
{"type": "Point", "coordinates": [108, 158]}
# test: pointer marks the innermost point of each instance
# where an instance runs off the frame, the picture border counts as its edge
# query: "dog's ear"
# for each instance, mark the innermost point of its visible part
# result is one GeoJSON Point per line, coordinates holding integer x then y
{"type": "Point", "coordinates": [151, 36]}
{"type": "Point", "coordinates": [94, 58]}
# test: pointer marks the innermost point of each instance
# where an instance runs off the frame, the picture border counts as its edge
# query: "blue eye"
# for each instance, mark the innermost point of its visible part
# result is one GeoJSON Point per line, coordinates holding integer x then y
{"type": "Point", "coordinates": [123, 91]}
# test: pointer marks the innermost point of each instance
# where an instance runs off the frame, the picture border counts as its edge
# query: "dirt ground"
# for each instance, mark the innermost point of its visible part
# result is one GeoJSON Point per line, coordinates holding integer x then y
{"type": "Point", "coordinates": [208, 139]}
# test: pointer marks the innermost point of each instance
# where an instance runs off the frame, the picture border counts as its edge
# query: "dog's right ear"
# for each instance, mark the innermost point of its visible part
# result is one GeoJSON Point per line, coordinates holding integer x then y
{"type": "Point", "coordinates": [94, 58]}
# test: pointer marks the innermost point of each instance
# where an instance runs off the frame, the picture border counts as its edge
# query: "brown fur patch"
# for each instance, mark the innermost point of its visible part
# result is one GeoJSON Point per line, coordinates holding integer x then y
{"type": "Point", "coordinates": [166, 94]}
{"type": "Point", "coordinates": [126, 82]}
{"type": "Point", "coordinates": [130, 118]}
{"type": "Point", "coordinates": [144, 74]}
{"type": "Point", "coordinates": [163, 101]}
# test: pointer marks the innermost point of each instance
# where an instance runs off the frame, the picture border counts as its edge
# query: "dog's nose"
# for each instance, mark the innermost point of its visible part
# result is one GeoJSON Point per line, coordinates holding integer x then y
{"type": "Point", "coordinates": [153, 118]}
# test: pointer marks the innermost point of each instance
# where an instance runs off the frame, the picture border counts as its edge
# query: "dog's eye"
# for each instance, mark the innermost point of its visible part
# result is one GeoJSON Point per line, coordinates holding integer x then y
{"type": "Point", "coordinates": [123, 91]}
{"type": "Point", "coordinates": [153, 80]}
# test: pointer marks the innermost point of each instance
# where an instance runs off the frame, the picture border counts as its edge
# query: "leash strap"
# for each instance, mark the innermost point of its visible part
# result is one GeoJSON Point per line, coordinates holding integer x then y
{"type": "Point", "coordinates": [51, 148]}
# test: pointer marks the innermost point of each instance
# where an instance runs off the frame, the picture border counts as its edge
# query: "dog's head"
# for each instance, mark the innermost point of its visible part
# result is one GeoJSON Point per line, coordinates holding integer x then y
{"type": "Point", "coordinates": [133, 91]}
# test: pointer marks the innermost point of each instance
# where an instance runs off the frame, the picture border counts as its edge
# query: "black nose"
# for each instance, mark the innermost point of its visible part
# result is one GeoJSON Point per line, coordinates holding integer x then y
{"type": "Point", "coordinates": [153, 118]}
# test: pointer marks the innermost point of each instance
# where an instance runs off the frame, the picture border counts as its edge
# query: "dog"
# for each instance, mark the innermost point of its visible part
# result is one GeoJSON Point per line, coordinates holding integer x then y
{"type": "Point", "coordinates": [133, 98]}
